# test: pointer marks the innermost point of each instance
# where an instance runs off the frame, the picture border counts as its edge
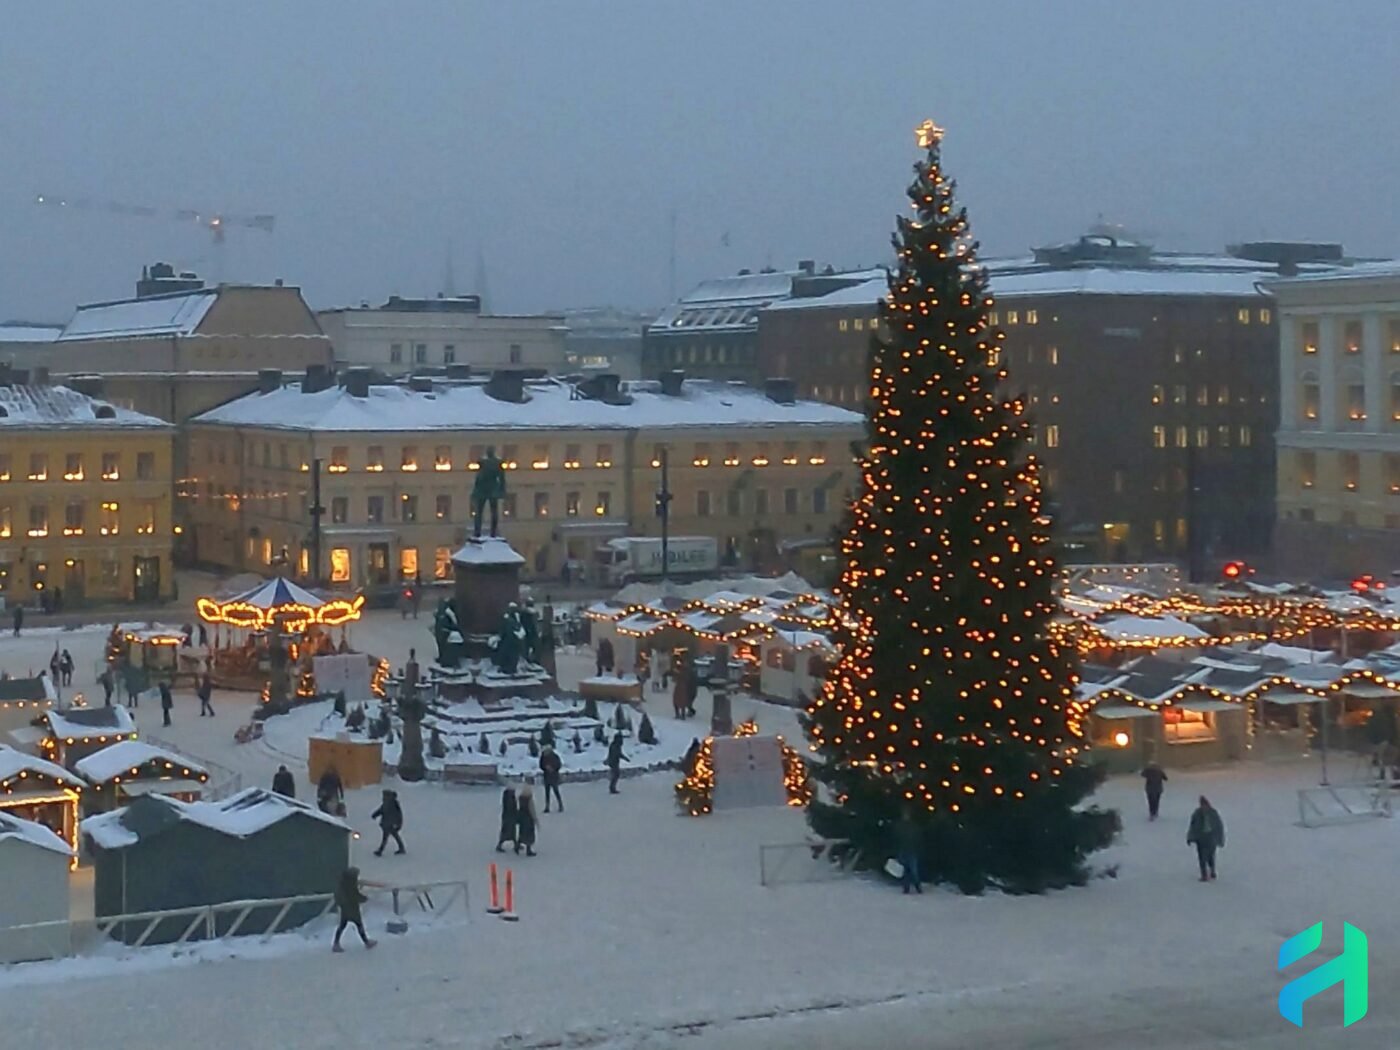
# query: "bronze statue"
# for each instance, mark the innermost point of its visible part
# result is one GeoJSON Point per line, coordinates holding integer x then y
{"type": "Point", "coordinates": [489, 487]}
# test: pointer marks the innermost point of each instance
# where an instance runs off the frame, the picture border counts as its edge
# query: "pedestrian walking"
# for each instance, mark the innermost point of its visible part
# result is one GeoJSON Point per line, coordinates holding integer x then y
{"type": "Point", "coordinates": [605, 657]}
{"type": "Point", "coordinates": [132, 684]}
{"type": "Point", "coordinates": [1154, 776]}
{"type": "Point", "coordinates": [692, 686]}
{"type": "Point", "coordinates": [551, 767]}
{"type": "Point", "coordinates": [203, 636]}
{"type": "Point", "coordinates": [283, 783]}
{"type": "Point", "coordinates": [330, 793]}
{"type": "Point", "coordinates": [17, 618]}
{"type": "Point", "coordinates": [614, 762]}
{"type": "Point", "coordinates": [678, 698]}
{"type": "Point", "coordinates": [205, 692]}
{"type": "Point", "coordinates": [509, 805]}
{"type": "Point", "coordinates": [692, 754]}
{"type": "Point", "coordinates": [65, 666]}
{"type": "Point", "coordinates": [417, 597]}
{"type": "Point", "coordinates": [108, 684]}
{"type": "Point", "coordinates": [526, 819]}
{"type": "Point", "coordinates": [166, 702]}
{"type": "Point", "coordinates": [1207, 834]}
{"type": "Point", "coordinates": [907, 844]}
{"type": "Point", "coordinates": [348, 899]}
{"type": "Point", "coordinates": [56, 667]}
{"type": "Point", "coordinates": [390, 817]}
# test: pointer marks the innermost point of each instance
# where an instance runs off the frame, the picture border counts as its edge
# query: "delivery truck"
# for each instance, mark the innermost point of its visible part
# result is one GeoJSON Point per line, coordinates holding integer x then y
{"type": "Point", "coordinates": [629, 558]}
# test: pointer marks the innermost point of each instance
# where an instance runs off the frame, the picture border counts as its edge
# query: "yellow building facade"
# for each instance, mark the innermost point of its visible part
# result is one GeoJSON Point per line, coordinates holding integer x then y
{"type": "Point", "coordinates": [85, 500]}
{"type": "Point", "coordinates": [397, 466]}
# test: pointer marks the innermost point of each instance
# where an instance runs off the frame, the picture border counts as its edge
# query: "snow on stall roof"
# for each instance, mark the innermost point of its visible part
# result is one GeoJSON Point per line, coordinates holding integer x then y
{"type": "Point", "coordinates": [1127, 627]}
{"type": "Point", "coordinates": [642, 593]}
{"type": "Point", "coordinates": [29, 333]}
{"type": "Point", "coordinates": [13, 763]}
{"type": "Point", "coordinates": [177, 314]}
{"type": "Point", "coordinates": [550, 405]}
{"type": "Point", "coordinates": [240, 816]}
{"type": "Point", "coordinates": [120, 758]}
{"type": "Point", "coordinates": [83, 723]}
{"type": "Point", "coordinates": [63, 407]}
{"type": "Point", "coordinates": [32, 832]}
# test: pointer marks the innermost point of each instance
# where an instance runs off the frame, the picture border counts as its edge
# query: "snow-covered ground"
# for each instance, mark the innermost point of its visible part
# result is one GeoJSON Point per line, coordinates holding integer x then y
{"type": "Point", "coordinates": [642, 928]}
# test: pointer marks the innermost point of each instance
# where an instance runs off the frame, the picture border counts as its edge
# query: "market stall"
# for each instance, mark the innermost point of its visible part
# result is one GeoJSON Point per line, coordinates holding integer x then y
{"type": "Point", "coordinates": [34, 789]}
{"type": "Point", "coordinates": [126, 770]}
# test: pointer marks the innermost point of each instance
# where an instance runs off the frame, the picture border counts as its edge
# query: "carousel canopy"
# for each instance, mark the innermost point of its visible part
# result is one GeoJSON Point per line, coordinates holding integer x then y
{"type": "Point", "coordinates": [283, 602]}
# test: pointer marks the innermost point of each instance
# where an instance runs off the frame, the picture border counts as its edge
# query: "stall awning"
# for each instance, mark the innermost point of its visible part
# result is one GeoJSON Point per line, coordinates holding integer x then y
{"type": "Point", "coordinates": [1370, 691]}
{"type": "Point", "coordinates": [133, 788]}
{"type": "Point", "coordinates": [1203, 706]}
{"type": "Point", "coordinates": [1124, 711]}
{"type": "Point", "coordinates": [1289, 696]}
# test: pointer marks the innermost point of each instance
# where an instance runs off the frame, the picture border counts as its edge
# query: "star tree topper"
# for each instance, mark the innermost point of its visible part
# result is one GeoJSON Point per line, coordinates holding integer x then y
{"type": "Point", "coordinates": [927, 134]}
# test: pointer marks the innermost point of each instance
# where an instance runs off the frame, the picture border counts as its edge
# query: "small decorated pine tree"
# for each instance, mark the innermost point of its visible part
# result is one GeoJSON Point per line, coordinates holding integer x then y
{"type": "Point", "coordinates": [483, 745]}
{"type": "Point", "coordinates": [547, 734]}
{"type": "Point", "coordinates": [646, 732]}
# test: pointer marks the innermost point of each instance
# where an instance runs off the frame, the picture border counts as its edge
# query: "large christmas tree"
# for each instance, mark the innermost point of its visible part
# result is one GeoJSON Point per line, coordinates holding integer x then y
{"type": "Point", "coordinates": [951, 703]}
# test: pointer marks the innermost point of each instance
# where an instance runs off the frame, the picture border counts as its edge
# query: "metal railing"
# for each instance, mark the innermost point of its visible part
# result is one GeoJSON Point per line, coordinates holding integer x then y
{"type": "Point", "coordinates": [62, 939]}
{"type": "Point", "coordinates": [816, 860]}
{"type": "Point", "coordinates": [1343, 803]}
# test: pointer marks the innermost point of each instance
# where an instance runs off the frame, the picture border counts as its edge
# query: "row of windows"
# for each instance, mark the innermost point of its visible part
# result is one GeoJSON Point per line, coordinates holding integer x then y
{"type": "Point", "coordinates": [791, 454]}
{"type": "Point", "coordinates": [109, 576]}
{"type": "Point", "coordinates": [1181, 394]}
{"type": "Point", "coordinates": [75, 467]}
{"type": "Point", "coordinates": [1243, 436]}
{"type": "Point", "coordinates": [1015, 317]}
{"type": "Point", "coordinates": [1348, 472]}
{"type": "Point", "coordinates": [1353, 400]}
{"type": "Point", "coordinates": [77, 521]}
{"type": "Point", "coordinates": [1353, 333]}
{"type": "Point", "coordinates": [707, 354]}
{"type": "Point", "coordinates": [413, 458]}
{"type": "Point", "coordinates": [449, 353]}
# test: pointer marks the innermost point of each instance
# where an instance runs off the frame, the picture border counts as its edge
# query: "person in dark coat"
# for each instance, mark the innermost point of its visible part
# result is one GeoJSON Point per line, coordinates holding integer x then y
{"type": "Point", "coordinates": [348, 899]}
{"type": "Point", "coordinates": [526, 820]}
{"type": "Point", "coordinates": [166, 702]}
{"type": "Point", "coordinates": [551, 768]}
{"type": "Point", "coordinates": [605, 657]}
{"type": "Point", "coordinates": [614, 762]}
{"type": "Point", "coordinates": [17, 618]}
{"type": "Point", "coordinates": [284, 783]}
{"type": "Point", "coordinates": [1207, 834]}
{"type": "Point", "coordinates": [508, 828]}
{"type": "Point", "coordinates": [205, 691]}
{"type": "Point", "coordinates": [692, 754]}
{"type": "Point", "coordinates": [56, 667]}
{"type": "Point", "coordinates": [678, 697]}
{"type": "Point", "coordinates": [330, 793]}
{"type": "Point", "coordinates": [1153, 776]}
{"type": "Point", "coordinates": [203, 636]}
{"type": "Point", "coordinates": [907, 842]}
{"type": "Point", "coordinates": [65, 666]}
{"type": "Point", "coordinates": [390, 817]}
{"type": "Point", "coordinates": [108, 684]}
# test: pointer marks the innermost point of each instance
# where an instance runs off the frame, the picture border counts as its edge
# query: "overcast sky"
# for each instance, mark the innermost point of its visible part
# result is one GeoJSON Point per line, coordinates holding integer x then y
{"type": "Point", "coordinates": [556, 139]}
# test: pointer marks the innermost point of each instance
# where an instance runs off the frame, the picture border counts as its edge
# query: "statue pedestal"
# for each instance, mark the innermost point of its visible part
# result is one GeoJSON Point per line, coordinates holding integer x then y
{"type": "Point", "coordinates": [488, 579]}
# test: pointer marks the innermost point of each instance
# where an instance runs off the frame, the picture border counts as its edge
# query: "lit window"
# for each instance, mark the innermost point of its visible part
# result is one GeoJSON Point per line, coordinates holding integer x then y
{"type": "Point", "coordinates": [340, 565]}
{"type": "Point", "coordinates": [993, 357]}
{"type": "Point", "coordinates": [702, 455]}
{"type": "Point", "coordinates": [761, 459]}
{"type": "Point", "coordinates": [374, 459]}
{"type": "Point", "coordinates": [340, 460]}
{"type": "Point", "coordinates": [1181, 437]}
{"type": "Point", "coordinates": [111, 466]}
{"type": "Point", "coordinates": [1222, 395]}
{"type": "Point", "coordinates": [1032, 317]}
{"type": "Point", "coordinates": [408, 508]}
{"type": "Point", "coordinates": [6, 525]}
{"type": "Point", "coordinates": [1351, 471]}
{"type": "Point", "coordinates": [73, 467]}
{"type": "Point", "coordinates": [605, 456]}
{"type": "Point", "coordinates": [1351, 337]}
{"type": "Point", "coordinates": [1012, 317]}
{"type": "Point", "coordinates": [859, 324]}
{"type": "Point", "coordinates": [1203, 395]}
{"type": "Point", "coordinates": [604, 505]}
{"type": "Point", "coordinates": [4, 466]}
{"type": "Point", "coordinates": [509, 457]}
{"type": "Point", "coordinates": [408, 563]}
{"type": "Point", "coordinates": [540, 460]}
{"type": "Point", "coordinates": [1052, 436]}
{"type": "Point", "coordinates": [1266, 316]}
{"type": "Point", "coordinates": [1356, 402]}
{"type": "Point", "coordinates": [1179, 394]}
{"type": "Point", "coordinates": [38, 467]}
{"type": "Point", "coordinates": [1311, 399]}
{"type": "Point", "coordinates": [731, 454]}
{"type": "Point", "coordinates": [408, 458]}
{"type": "Point", "coordinates": [572, 454]}
{"type": "Point", "coordinates": [109, 523]}
{"type": "Point", "coordinates": [1242, 315]}
{"type": "Point", "coordinates": [541, 504]}
{"type": "Point", "coordinates": [1158, 394]}
{"type": "Point", "coordinates": [1052, 354]}
{"type": "Point", "coordinates": [442, 457]}
{"type": "Point", "coordinates": [571, 504]}
{"type": "Point", "coordinates": [789, 453]}
{"type": "Point", "coordinates": [1202, 437]}
{"type": "Point", "coordinates": [818, 457]}
{"type": "Point", "coordinates": [994, 318]}
{"type": "Point", "coordinates": [1307, 469]}
{"type": "Point", "coordinates": [1222, 435]}
{"type": "Point", "coordinates": [843, 324]}
{"type": "Point", "coordinates": [146, 519]}
{"type": "Point", "coordinates": [1246, 435]}
{"type": "Point", "coordinates": [1310, 337]}
{"type": "Point", "coordinates": [442, 563]}
{"type": "Point", "coordinates": [1159, 437]}
{"type": "Point", "coordinates": [442, 507]}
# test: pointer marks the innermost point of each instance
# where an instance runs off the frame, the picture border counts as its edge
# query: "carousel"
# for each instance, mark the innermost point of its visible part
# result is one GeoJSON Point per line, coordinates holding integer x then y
{"type": "Point", "coordinates": [268, 637]}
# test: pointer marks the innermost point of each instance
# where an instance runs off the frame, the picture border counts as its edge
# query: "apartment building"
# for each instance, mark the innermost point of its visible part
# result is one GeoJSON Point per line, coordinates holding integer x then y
{"type": "Point", "coordinates": [84, 498]}
{"type": "Point", "coordinates": [756, 469]}
{"type": "Point", "coordinates": [1339, 425]}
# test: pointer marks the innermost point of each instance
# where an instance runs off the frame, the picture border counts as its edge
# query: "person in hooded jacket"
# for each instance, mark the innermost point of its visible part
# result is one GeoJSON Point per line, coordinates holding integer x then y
{"type": "Point", "coordinates": [348, 899]}
{"type": "Point", "coordinates": [330, 793]}
{"type": "Point", "coordinates": [551, 768]}
{"type": "Point", "coordinates": [508, 826]}
{"type": "Point", "coordinates": [1207, 833]}
{"type": "Point", "coordinates": [614, 762]}
{"type": "Point", "coordinates": [1153, 776]}
{"type": "Point", "coordinates": [390, 817]}
{"type": "Point", "coordinates": [283, 783]}
{"type": "Point", "coordinates": [907, 844]}
{"type": "Point", "coordinates": [692, 753]}
{"type": "Point", "coordinates": [526, 820]}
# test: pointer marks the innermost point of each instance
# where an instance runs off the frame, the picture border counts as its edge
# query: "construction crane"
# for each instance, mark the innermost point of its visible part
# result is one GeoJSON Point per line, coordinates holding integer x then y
{"type": "Point", "coordinates": [218, 223]}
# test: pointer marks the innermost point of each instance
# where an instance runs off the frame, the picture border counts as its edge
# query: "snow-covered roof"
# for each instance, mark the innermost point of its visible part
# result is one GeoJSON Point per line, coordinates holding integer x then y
{"type": "Point", "coordinates": [868, 292]}
{"type": "Point", "coordinates": [176, 314]}
{"type": "Point", "coordinates": [1376, 270]}
{"type": "Point", "coordinates": [277, 592]}
{"type": "Point", "coordinates": [1128, 628]}
{"type": "Point", "coordinates": [550, 405]}
{"type": "Point", "coordinates": [121, 758]}
{"type": "Point", "coordinates": [240, 816]}
{"type": "Point", "coordinates": [88, 723]}
{"type": "Point", "coordinates": [29, 333]}
{"type": "Point", "coordinates": [13, 763]}
{"type": "Point", "coordinates": [490, 550]}
{"type": "Point", "coordinates": [32, 832]}
{"type": "Point", "coordinates": [61, 407]}
{"type": "Point", "coordinates": [37, 690]}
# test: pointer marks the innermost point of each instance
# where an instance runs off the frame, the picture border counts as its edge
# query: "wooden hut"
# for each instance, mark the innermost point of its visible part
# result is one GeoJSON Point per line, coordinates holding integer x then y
{"type": "Point", "coordinates": [34, 871]}
{"type": "Point", "coordinates": [34, 789]}
{"type": "Point", "coordinates": [126, 770]}
{"type": "Point", "coordinates": [76, 732]}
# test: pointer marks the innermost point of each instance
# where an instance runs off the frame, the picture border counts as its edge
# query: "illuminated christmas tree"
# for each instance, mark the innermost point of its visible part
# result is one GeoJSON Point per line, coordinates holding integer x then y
{"type": "Point", "coordinates": [950, 703]}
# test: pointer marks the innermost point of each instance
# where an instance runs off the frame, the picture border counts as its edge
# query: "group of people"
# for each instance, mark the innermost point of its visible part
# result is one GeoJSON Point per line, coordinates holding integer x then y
{"type": "Point", "coordinates": [61, 667]}
{"type": "Point", "coordinates": [1206, 830]}
{"type": "Point", "coordinates": [204, 690]}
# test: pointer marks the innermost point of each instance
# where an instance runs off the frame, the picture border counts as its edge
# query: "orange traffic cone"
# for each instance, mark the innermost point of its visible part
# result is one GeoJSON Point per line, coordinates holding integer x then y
{"type": "Point", "coordinates": [509, 914]}
{"type": "Point", "coordinates": [495, 908]}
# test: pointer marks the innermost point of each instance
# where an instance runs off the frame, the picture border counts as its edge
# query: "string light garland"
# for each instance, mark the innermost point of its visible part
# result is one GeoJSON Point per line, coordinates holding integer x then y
{"type": "Point", "coordinates": [951, 703]}
{"type": "Point", "coordinates": [292, 616]}
{"type": "Point", "coordinates": [695, 793]}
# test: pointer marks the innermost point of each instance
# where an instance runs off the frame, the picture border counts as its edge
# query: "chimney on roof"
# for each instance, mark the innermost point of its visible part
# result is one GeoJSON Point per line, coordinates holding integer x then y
{"type": "Point", "coordinates": [421, 384]}
{"type": "Point", "coordinates": [507, 384]}
{"type": "Point", "coordinates": [357, 382]}
{"type": "Point", "coordinates": [269, 380]}
{"type": "Point", "coordinates": [745, 272]}
{"type": "Point", "coordinates": [807, 266]}
{"type": "Point", "coordinates": [672, 380]}
{"type": "Point", "coordinates": [459, 371]}
{"type": "Point", "coordinates": [781, 391]}
{"type": "Point", "coordinates": [317, 378]}
{"type": "Point", "coordinates": [277, 283]}
{"type": "Point", "coordinates": [88, 385]}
